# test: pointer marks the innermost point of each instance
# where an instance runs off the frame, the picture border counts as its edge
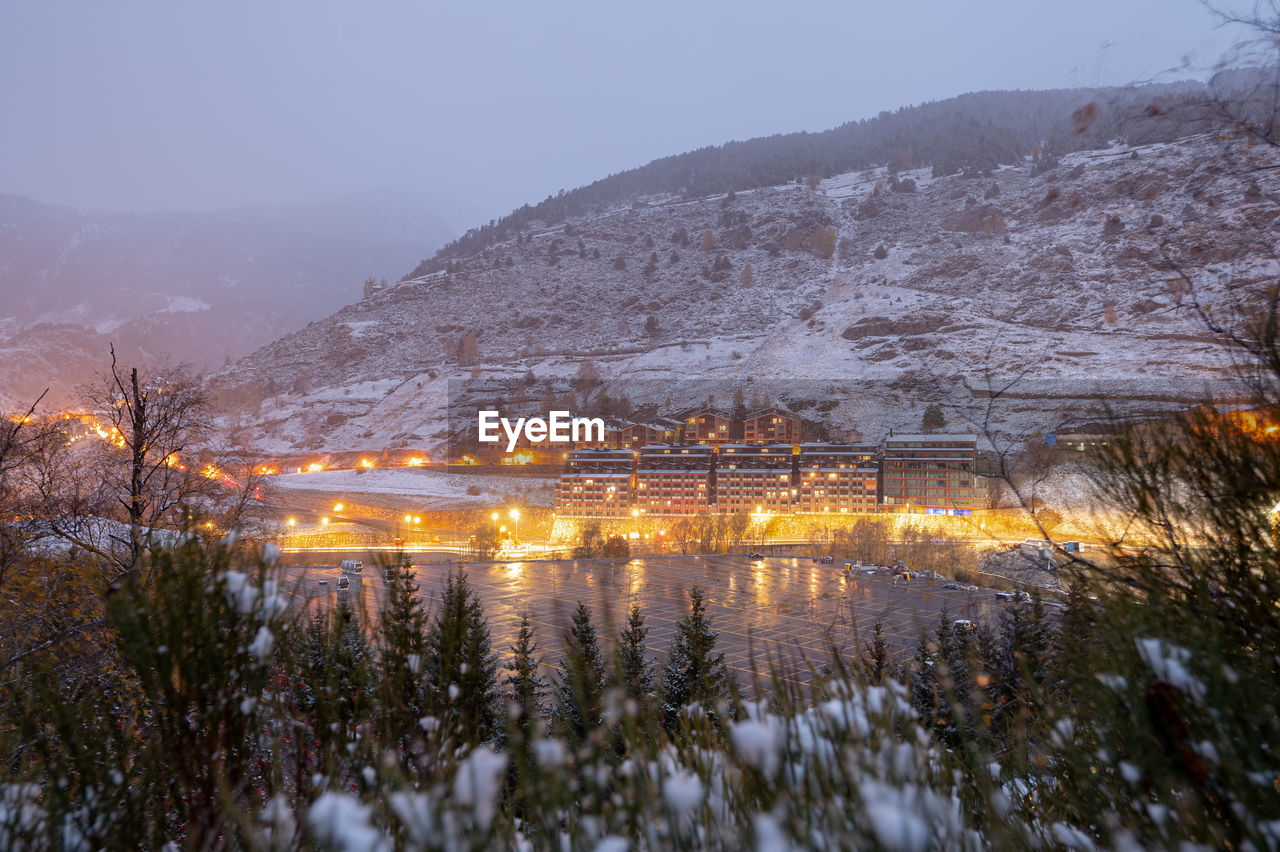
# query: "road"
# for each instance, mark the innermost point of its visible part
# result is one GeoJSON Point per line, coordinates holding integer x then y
{"type": "Point", "coordinates": [776, 612]}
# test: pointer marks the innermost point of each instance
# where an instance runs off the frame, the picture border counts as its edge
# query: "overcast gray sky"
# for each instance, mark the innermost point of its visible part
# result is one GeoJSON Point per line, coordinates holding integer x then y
{"type": "Point", "coordinates": [145, 105]}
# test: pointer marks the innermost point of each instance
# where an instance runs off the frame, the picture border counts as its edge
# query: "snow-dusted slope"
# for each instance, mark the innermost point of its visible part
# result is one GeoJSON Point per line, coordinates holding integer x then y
{"type": "Point", "coordinates": [1063, 283]}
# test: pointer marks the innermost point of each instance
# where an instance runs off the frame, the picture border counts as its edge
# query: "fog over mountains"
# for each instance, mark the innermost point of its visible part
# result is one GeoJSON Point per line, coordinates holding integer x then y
{"type": "Point", "coordinates": [202, 288]}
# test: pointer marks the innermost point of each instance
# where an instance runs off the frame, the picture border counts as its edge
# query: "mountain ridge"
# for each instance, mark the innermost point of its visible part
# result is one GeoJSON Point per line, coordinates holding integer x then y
{"type": "Point", "coordinates": [869, 294]}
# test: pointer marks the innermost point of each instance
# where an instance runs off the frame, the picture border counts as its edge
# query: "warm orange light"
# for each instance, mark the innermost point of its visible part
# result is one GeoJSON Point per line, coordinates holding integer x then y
{"type": "Point", "coordinates": [337, 507]}
{"type": "Point", "coordinates": [324, 521]}
{"type": "Point", "coordinates": [315, 467]}
{"type": "Point", "coordinates": [416, 520]}
{"type": "Point", "coordinates": [415, 461]}
{"type": "Point", "coordinates": [468, 460]}
{"type": "Point", "coordinates": [293, 521]}
{"type": "Point", "coordinates": [522, 457]}
{"type": "Point", "coordinates": [267, 470]}
{"type": "Point", "coordinates": [171, 459]}
{"type": "Point", "coordinates": [210, 472]}
{"type": "Point", "coordinates": [366, 464]}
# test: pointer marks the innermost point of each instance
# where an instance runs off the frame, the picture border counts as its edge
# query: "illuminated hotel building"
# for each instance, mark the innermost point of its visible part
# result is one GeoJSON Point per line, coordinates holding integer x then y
{"type": "Point", "coordinates": [596, 483]}
{"type": "Point", "coordinates": [754, 478]}
{"type": "Point", "coordinates": [930, 475]}
{"type": "Point", "coordinates": [674, 479]}
{"type": "Point", "coordinates": [837, 479]}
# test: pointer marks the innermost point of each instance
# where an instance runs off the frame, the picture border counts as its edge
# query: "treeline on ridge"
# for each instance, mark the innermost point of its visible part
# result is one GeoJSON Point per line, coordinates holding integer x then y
{"type": "Point", "coordinates": [969, 133]}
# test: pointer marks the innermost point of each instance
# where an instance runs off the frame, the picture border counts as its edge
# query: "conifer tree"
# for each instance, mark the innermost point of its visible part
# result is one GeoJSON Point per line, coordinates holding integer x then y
{"type": "Point", "coordinates": [335, 686]}
{"type": "Point", "coordinates": [461, 668]}
{"type": "Point", "coordinates": [694, 673]}
{"type": "Point", "coordinates": [635, 667]}
{"type": "Point", "coordinates": [579, 702]}
{"type": "Point", "coordinates": [877, 654]}
{"type": "Point", "coordinates": [526, 688]}
{"type": "Point", "coordinates": [526, 692]}
{"type": "Point", "coordinates": [402, 629]}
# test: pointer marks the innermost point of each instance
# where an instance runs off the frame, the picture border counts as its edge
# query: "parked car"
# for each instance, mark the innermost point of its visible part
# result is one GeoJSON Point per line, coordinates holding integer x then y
{"type": "Point", "coordinates": [352, 566]}
{"type": "Point", "coordinates": [827, 560]}
{"type": "Point", "coordinates": [755, 556]}
{"type": "Point", "coordinates": [953, 587]}
{"type": "Point", "coordinates": [964, 624]}
{"type": "Point", "coordinates": [343, 583]}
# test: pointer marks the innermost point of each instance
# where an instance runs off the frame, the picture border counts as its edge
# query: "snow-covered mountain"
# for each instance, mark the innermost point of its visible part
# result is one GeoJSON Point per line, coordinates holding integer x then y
{"type": "Point", "coordinates": [202, 288]}
{"type": "Point", "coordinates": [858, 300]}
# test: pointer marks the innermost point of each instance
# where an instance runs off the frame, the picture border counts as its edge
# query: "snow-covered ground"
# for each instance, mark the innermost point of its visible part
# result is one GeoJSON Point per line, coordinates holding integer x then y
{"type": "Point", "coordinates": [432, 488]}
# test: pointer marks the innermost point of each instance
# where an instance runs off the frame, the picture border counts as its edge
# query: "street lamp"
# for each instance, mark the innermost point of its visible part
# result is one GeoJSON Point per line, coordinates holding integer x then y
{"type": "Point", "coordinates": [515, 522]}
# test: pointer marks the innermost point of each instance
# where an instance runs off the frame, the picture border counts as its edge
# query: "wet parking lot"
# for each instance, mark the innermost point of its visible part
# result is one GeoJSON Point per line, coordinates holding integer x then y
{"type": "Point", "coordinates": [778, 613]}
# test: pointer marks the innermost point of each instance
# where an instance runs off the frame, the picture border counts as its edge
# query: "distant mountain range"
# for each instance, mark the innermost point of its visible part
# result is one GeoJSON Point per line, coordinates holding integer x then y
{"type": "Point", "coordinates": [203, 288]}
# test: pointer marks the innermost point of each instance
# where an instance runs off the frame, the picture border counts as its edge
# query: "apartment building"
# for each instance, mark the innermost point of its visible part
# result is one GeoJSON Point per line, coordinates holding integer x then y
{"type": "Point", "coordinates": [661, 430]}
{"type": "Point", "coordinates": [837, 479]}
{"type": "Point", "coordinates": [706, 426]}
{"type": "Point", "coordinates": [596, 483]}
{"type": "Point", "coordinates": [754, 478]}
{"type": "Point", "coordinates": [674, 479]}
{"type": "Point", "coordinates": [930, 475]}
{"type": "Point", "coordinates": [770, 425]}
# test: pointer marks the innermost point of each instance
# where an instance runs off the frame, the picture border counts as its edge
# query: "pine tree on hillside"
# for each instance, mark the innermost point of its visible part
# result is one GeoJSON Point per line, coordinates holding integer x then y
{"type": "Point", "coordinates": [461, 668]}
{"type": "Point", "coordinates": [579, 703]}
{"type": "Point", "coordinates": [402, 630]}
{"type": "Point", "coordinates": [694, 674]}
{"type": "Point", "coordinates": [933, 418]}
{"type": "Point", "coordinates": [635, 667]}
